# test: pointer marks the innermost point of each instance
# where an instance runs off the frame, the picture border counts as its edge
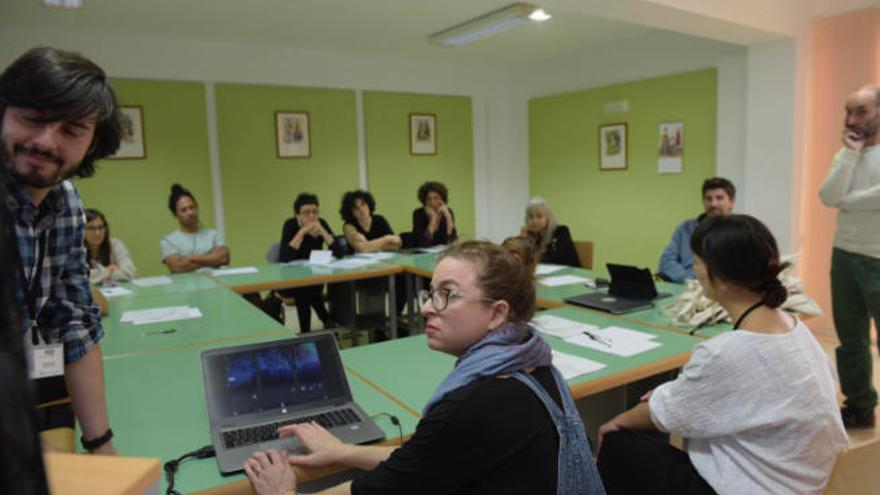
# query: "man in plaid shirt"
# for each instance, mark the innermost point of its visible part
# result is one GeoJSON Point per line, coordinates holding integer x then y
{"type": "Point", "coordinates": [59, 115]}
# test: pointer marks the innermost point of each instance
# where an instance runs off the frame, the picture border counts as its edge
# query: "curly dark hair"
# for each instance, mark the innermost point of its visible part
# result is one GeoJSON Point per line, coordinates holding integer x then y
{"type": "Point", "coordinates": [741, 250]}
{"type": "Point", "coordinates": [177, 192]}
{"type": "Point", "coordinates": [436, 187]}
{"type": "Point", "coordinates": [348, 200]}
{"type": "Point", "coordinates": [304, 199]}
{"type": "Point", "coordinates": [65, 86]}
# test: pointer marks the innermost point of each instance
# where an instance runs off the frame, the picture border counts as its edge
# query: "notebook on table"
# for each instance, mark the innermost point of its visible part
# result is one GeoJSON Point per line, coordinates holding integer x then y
{"type": "Point", "coordinates": [631, 289]}
{"type": "Point", "coordinates": [252, 390]}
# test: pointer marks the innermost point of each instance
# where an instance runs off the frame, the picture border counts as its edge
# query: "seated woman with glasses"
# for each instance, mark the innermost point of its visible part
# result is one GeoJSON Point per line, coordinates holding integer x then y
{"type": "Point", "coordinates": [503, 420]}
{"type": "Point", "coordinates": [757, 406]}
{"type": "Point", "coordinates": [108, 257]}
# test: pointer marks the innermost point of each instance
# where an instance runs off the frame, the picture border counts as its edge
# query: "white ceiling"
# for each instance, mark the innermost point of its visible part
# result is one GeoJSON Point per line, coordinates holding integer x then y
{"type": "Point", "coordinates": [397, 28]}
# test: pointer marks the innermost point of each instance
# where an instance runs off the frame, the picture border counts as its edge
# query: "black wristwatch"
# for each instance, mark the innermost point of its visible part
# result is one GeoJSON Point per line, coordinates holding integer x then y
{"type": "Point", "coordinates": [91, 445]}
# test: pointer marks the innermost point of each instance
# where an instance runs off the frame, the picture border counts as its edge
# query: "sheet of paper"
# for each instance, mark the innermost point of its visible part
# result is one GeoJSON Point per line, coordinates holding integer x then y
{"type": "Point", "coordinates": [156, 315]}
{"type": "Point", "coordinates": [296, 263]}
{"type": "Point", "coordinates": [321, 256]}
{"type": "Point", "coordinates": [378, 256]}
{"type": "Point", "coordinates": [626, 333]}
{"type": "Point", "coordinates": [151, 281]}
{"type": "Point", "coordinates": [560, 327]}
{"type": "Point", "coordinates": [546, 269]}
{"type": "Point", "coordinates": [349, 263]}
{"type": "Point", "coordinates": [114, 291]}
{"type": "Point", "coordinates": [562, 280]}
{"type": "Point", "coordinates": [235, 271]}
{"type": "Point", "coordinates": [434, 249]}
{"type": "Point", "coordinates": [620, 345]}
{"type": "Point", "coordinates": [571, 366]}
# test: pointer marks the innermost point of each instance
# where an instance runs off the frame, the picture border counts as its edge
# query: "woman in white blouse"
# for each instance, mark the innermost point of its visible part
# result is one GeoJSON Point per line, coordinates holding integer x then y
{"type": "Point", "coordinates": [756, 406]}
{"type": "Point", "coordinates": [108, 257]}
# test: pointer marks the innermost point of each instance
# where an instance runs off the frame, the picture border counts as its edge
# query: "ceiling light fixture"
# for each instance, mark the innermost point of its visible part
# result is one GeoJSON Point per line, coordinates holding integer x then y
{"type": "Point", "coordinates": [489, 24]}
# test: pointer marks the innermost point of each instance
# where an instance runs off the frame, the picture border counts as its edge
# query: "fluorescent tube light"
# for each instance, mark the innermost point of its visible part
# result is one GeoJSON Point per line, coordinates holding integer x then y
{"type": "Point", "coordinates": [64, 4]}
{"type": "Point", "coordinates": [489, 24]}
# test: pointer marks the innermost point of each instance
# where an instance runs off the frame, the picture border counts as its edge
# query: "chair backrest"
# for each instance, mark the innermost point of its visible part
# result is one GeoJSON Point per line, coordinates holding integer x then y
{"type": "Point", "coordinates": [584, 251]}
{"type": "Point", "coordinates": [273, 253]}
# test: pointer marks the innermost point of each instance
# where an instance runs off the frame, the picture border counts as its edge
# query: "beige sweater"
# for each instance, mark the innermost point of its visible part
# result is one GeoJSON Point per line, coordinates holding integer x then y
{"type": "Point", "coordinates": [853, 186]}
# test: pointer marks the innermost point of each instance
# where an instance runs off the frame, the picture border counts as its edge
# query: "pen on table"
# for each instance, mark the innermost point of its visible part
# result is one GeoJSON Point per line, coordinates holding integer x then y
{"type": "Point", "coordinates": [161, 332]}
{"type": "Point", "coordinates": [597, 338]}
{"type": "Point", "coordinates": [698, 327]}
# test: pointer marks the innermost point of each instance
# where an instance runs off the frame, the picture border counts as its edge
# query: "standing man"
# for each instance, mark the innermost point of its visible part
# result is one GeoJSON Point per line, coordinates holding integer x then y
{"type": "Point", "coordinates": [677, 262]}
{"type": "Point", "coordinates": [853, 186]}
{"type": "Point", "coordinates": [59, 115]}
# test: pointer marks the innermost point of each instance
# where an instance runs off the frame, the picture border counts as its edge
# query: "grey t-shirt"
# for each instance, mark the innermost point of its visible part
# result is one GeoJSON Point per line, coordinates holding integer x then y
{"type": "Point", "coordinates": [758, 412]}
{"type": "Point", "coordinates": [185, 244]}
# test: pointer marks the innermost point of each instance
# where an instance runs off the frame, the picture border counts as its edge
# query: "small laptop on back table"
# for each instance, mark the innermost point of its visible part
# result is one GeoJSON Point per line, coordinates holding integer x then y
{"type": "Point", "coordinates": [631, 289]}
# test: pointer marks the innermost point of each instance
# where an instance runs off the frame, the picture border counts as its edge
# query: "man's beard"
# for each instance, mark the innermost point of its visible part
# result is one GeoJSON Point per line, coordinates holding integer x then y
{"type": "Point", "coordinates": [34, 179]}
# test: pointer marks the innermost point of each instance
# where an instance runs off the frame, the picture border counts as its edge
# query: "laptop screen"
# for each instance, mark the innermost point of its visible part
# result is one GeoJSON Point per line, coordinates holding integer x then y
{"type": "Point", "coordinates": [285, 374]}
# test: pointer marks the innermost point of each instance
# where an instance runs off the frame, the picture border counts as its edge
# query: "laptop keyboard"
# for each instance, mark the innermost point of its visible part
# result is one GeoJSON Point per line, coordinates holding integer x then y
{"type": "Point", "coordinates": [262, 433]}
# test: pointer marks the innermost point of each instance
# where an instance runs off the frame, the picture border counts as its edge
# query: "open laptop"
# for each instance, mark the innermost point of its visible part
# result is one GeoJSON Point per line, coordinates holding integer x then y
{"type": "Point", "coordinates": [631, 289]}
{"type": "Point", "coordinates": [252, 390]}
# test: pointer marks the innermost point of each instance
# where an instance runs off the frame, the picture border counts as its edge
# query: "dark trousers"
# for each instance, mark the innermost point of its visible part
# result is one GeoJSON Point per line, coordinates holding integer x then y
{"type": "Point", "coordinates": [306, 299]}
{"type": "Point", "coordinates": [855, 299]}
{"type": "Point", "coordinates": [640, 463]}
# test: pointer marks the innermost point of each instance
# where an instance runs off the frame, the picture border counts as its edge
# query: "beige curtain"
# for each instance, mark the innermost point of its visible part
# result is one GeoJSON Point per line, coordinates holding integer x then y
{"type": "Point", "coordinates": [844, 54]}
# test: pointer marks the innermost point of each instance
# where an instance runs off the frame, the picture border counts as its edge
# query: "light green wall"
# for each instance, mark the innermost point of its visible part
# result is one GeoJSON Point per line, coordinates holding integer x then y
{"type": "Point", "coordinates": [133, 194]}
{"type": "Point", "coordinates": [394, 175]}
{"type": "Point", "coordinates": [629, 215]}
{"type": "Point", "coordinates": [258, 187]}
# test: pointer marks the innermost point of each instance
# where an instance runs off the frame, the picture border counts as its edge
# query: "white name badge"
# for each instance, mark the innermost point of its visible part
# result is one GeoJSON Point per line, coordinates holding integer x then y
{"type": "Point", "coordinates": [46, 360]}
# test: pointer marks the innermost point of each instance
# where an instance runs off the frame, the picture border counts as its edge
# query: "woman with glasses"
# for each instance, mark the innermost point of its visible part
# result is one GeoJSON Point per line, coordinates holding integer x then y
{"type": "Point", "coordinates": [502, 421]}
{"type": "Point", "coordinates": [757, 405]}
{"type": "Point", "coordinates": [108, 258]}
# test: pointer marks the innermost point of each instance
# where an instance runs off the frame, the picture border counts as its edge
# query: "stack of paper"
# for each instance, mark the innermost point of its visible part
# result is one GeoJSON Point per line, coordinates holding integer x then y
{"type": "Point", "coordinates": [615, 340]}
{"type": "Point", "coordinates": [563, 280]}
{"type": "Point", "coordinates": [546, 269]}
{"type": "Point", "coordinates": [378, 256]}
{"type": "Point", "coordinates": [350, 263]}
{"type": "Point", "coordinates": [434, 249]}
{"type": "Point", "coordinates": [560, 327]}
{"type": "Point", "coordinates": [156, 315]}
{"type": "Point", "coordinates": [571, 366]}
{"type": "Point", "coordinates": [151, 281]}
{"type": "Point", "coordinates": [114, 291]}
{"type": "Point", "coordinates": [234, 271]}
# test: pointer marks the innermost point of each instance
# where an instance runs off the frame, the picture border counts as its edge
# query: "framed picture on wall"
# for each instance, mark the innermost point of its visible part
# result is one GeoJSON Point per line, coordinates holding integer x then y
{"type": "Point", "coordinates": [131, 145]}
{"type": "Point", "coordinates": [671, 148]}
{"type": "Point", "coordinates": [422, 134]}
{"type": "Point", "coordinates": [612, 146]}
{"type": "Point", "coordinates": [293, 137]}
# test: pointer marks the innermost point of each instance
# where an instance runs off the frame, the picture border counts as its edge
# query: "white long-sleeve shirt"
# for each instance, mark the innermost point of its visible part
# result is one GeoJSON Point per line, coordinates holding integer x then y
{"type": "Point", "coordinates": [853, 186]}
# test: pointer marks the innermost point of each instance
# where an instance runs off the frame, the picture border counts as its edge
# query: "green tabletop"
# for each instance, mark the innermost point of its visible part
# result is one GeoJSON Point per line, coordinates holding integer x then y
{"type": "Point", "coordinates": [419, 263]}
{"type": "Point", "coordinates": [272, 276]}
{"type": "Point", "coordinates": [180, 283]}
{"type": "Point", "coordinates": [225, 316]}
{"type": "Point", "coordinates": [157, 408]}
{"type": "Point", "coordinates": [417, 370]}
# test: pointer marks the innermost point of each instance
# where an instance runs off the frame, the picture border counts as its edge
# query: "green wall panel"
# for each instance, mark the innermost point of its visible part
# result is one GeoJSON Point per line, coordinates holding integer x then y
{"type": "Point", "coordinates": [394, 175]}
{"type": "Point", "coordinates": [628, 214]}
{"type": "Point", "coordinates": [258, 187]}
{"type": "Point", "coordinates": [133, 194]}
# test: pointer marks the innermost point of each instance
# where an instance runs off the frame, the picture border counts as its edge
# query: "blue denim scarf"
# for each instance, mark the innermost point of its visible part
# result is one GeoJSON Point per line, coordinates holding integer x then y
{"type": "Point", "coordinates": [501, 352]}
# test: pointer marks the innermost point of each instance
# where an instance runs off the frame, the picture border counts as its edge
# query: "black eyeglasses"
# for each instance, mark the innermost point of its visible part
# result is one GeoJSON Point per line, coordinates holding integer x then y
{"type": "Point", "coordinates": [440, 298]}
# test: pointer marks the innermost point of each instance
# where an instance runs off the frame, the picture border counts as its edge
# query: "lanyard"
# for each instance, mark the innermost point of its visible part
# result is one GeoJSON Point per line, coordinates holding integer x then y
{"type": "Point", "coordinates": [30, 288]}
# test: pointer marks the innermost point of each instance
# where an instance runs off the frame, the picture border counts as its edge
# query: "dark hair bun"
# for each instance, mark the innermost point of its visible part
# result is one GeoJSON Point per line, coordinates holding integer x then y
{"type": "Point", "coordinates": [775, 294]}
{"type": "Point", "coordinates": [178, 189]}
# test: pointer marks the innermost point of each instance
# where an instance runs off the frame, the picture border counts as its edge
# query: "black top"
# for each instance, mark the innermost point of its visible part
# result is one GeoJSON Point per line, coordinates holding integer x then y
{"type": "Point", "coordinates": [420, 229]}
{"type": "Point", "coordinates": [291, 227]}
{"type": "Point", "coordinates": [492, 436]}
{"type": "Point", "coordinates": [561, 250]}
{"type": "Point", "coordinates": [378, 227]}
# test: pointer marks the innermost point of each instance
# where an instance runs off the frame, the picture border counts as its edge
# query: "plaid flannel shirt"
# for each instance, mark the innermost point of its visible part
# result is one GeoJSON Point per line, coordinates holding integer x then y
{"type": "Point", "coordinates": [65, 312]}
